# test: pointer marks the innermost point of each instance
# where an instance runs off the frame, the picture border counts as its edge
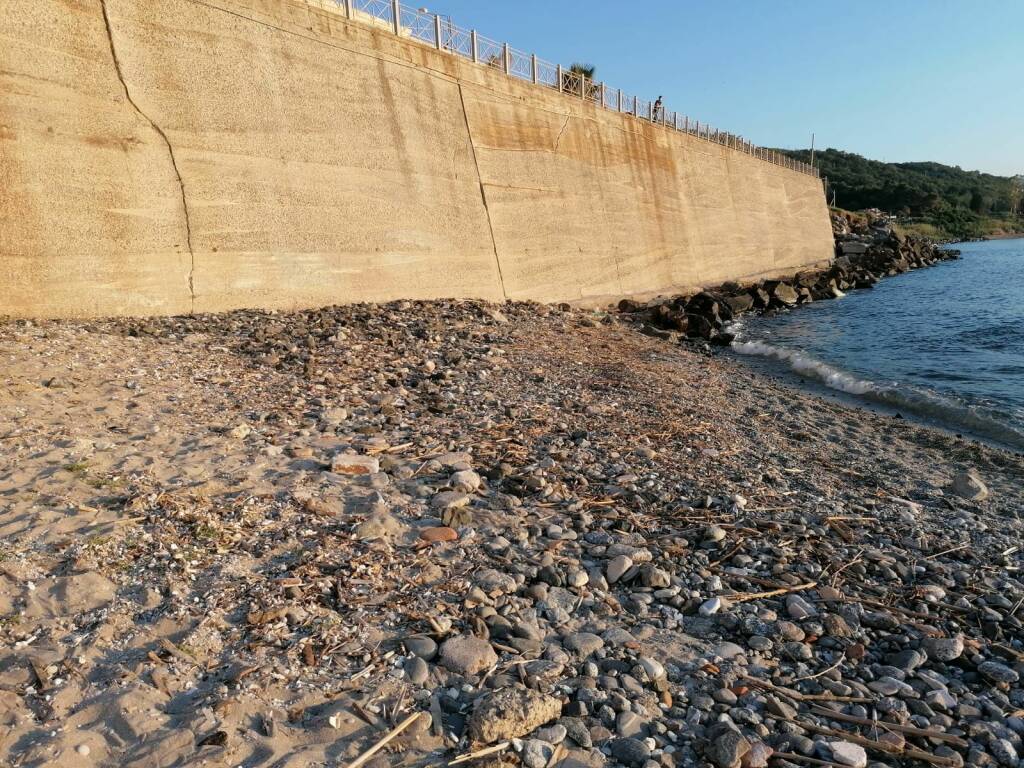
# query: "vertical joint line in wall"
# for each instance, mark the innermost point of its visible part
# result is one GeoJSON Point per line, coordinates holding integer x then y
{"type": "Point", "coordinates": [170, 153]}
{"type": "Point", "coordinates": [483, 193]}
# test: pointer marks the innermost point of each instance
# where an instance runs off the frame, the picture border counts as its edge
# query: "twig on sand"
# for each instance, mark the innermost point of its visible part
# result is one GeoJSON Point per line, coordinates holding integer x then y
{"type": "Point", "coordinates": [803, 759]}
{"type": "Point", "coordinates": [773, 593]}
{"type": "Point", "coordinates": [481, 753]}
{"type": "Point", "coordinates": [797, 696]}
{"type": "Point", "coordinates": [910, 730]}
{"type": "Point", "coordinates": [880, 746]}
{"type": "Point", "coordinates": [385, 740]}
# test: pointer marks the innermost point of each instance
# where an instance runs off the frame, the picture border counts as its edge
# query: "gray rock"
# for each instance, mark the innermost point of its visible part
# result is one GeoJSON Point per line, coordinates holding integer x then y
{"type": "Point", "coordinates": [943, 648]}
{"type": "Point", "coordinates": [536, 753]}
{"type": "Point", "coordinates": [552, 734]}
{"type": "Point", "coordinates": [583, 643]}
{"type": "Point", "coordinates": [727, 749]}
{"type": "Point", "coordinates": [969, 485]}
{"type": "Point", "coordinates": [416, 670]}
{"type": "Point", "coordinates": [710, 607]}
{"type": "Point", "coordinates": [424, 647]}
{"type": "Point", "coordinates": [629, 724]}
{"type": "Point", "coordinates": [617, 566]}
{"type": "Point", "coordinates": [845, 753]}
{"type": "Point", "coordinates": [1004, 752]}
{"type": "Point", "coordinates": [997, 672]}
{"type": "Point", "coordinates": [630, 751]}
{"type": "Point", "coordinates": [466, 481]}
{"type": "Point", "coordinates": [491, 580]}
{"type": "Point", "coordinates": [467, 655]}
{"type": "Point", "coordinates": [798, 608]}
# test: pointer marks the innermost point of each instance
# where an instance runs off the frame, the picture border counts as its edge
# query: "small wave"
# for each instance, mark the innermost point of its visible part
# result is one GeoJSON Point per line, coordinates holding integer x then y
{"type": "Point", "coordinates": [805, 364]}
{"type": "Point", "coordinates": [926, 404]}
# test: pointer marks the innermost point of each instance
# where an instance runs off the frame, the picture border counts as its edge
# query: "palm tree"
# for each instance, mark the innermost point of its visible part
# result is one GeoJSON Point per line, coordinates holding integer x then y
{"type": "Point", "coordinates": [577, 74]}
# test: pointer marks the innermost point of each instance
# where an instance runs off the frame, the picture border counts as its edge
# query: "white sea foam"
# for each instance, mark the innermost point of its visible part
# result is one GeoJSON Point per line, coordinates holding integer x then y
{"type": "Point", "coordinates": [929, 405]}
{"type": "Point", "coordinates": [808, 366]}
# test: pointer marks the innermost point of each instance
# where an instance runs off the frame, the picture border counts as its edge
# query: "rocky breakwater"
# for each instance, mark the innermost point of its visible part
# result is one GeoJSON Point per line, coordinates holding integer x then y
{"type": "Point", "coordinates": [867, 250]}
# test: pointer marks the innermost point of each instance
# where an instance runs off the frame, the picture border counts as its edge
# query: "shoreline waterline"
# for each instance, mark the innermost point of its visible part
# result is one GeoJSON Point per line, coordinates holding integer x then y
{"type": "Point", "coordinates": [938, 345]}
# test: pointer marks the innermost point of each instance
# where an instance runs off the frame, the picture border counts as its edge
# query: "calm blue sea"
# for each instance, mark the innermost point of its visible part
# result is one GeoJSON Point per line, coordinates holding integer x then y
{"type": "Point", "coordinates": [944, 344]}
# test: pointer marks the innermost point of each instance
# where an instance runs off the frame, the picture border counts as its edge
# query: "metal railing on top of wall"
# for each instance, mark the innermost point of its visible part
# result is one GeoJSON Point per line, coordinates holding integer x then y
{"type": "Point", "coordinates": [439, 32]}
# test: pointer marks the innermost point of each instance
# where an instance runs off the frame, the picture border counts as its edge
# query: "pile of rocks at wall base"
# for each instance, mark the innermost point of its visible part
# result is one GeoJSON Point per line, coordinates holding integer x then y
{"type": "Point", "coordinates": [865, 253]}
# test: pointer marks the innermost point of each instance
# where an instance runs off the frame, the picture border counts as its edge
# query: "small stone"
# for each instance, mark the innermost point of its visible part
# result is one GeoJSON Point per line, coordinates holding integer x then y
{"type": "Point", "coordinates": [583, 643]}
{"type": "Point", "coordinates": [439, 534]}
{"type": "Point", "coordinates": [421, 646]}
{"type": "Point", "coordinates": [83, 750]}
{"type": "Point", "coordinates": [1004, 752]}
{"type": "Point", "coordinates": [728, 749]}
{"type": "Point", "coordinates": [710, 607]}
{"type": "Point", "coordinates": [630, 751]}
{"type": "Point", "coordinates": [536, 753]}
{"type": "Point", "coordinates": [798, 608]}
{"type": "Point", "coordinates": [629, 724]}
{"type": "Point", "coordinates": [618, 566]}
{"type": "Point", "coordinates": [511, 713]}
{"type": "Point", "coordinates": [969, 485]}
{"type": "Point", "coordinates": [997, 672]}
{"type": "Point", "coordinates": [653, 668]}
{"type": "Point", "coordinates": [466, 481]}
{"type": "Point", "coordinates": [491, 581]}
{"type": "Point", "coordinates": [416, 670]}
{"type": "Point", "coordinates": [943, 648]}
{"type": "Point", "coordinates": [468, 655]}
{"type": "Point", "coordinates": [354, 464]}
{"type": "Point", "coordinates": [552, 734]}
{"type": "Point", "coordinates": [845, 753]}
{"type": "Point", "coordinates": [381, 525]}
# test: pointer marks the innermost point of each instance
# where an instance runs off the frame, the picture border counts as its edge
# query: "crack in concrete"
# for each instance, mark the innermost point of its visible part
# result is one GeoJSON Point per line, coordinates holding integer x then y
{"type": "Point", "coordinates": [483, 193]}
{"type": "Point", "coordinates": [170, 153]}
{"type": "Point", "coordinates": [558, 139]}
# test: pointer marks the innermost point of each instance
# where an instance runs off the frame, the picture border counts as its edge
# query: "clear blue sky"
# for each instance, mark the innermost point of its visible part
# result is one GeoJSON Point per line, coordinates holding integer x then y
{"type": "Point", "coordinates": [900, 80]}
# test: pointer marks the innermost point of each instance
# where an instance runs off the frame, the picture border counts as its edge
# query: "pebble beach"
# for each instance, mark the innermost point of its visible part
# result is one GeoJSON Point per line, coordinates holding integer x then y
{"type": "Point", "coordinates": [418, 533]}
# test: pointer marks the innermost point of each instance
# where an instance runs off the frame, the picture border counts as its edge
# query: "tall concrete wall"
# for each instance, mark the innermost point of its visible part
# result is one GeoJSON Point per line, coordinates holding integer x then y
{"type": "Point", "coordinates": [164, 156]}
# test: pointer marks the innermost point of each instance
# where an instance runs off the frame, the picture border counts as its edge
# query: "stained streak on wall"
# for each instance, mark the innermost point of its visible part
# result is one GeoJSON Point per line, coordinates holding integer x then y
{"type": "Point", "coordinates": [324, 161]}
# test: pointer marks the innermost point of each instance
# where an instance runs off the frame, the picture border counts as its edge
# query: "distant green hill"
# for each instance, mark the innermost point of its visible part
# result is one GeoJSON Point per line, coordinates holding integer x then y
{"type": "Point", "coordinates": [940, 200]}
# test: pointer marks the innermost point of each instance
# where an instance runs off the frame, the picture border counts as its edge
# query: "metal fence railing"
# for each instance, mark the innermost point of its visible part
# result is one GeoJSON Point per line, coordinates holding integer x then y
{"type": "Point", "coordinates": [439, 32]}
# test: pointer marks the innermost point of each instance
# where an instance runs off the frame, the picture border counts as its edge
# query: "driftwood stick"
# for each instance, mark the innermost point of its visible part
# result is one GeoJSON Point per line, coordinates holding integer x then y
{"type": "Point", "coordinates": [741, 598]}
{"type": "Point", "coordinates": [880, 746]}
{"type": "Point", "coordinates": [481, 753]}
{"type": "Point", "coordinates": [797, 696]}
{"type": "Point", "coordinates": [802, 759]}
{"type": "Point", "coordinates": [385, 740]}
{"type": "Point", "coordinates": [908, 729]}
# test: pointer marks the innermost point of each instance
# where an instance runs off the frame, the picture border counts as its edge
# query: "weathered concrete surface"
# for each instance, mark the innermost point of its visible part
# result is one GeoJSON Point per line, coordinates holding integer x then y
{"type": "Point", "coordinates": [162, 156]}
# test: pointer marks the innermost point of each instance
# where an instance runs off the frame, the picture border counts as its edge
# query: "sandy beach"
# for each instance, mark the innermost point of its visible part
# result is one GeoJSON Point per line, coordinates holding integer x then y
{"type": "Point", "coordinates": [268, 539]}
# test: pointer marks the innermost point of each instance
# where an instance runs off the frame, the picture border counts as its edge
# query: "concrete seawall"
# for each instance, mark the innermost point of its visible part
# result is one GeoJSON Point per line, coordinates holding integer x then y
{"type": "Point", "coordinates": [167, 156]}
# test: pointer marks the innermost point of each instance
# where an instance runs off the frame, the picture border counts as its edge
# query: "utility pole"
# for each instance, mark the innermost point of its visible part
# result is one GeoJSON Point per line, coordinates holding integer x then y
{"type": "Point", "coordinates": [812, 150]}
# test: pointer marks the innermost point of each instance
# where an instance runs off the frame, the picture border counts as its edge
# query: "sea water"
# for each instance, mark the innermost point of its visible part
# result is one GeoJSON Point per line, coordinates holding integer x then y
{"type": "Point", "coordinates": [944, 344]}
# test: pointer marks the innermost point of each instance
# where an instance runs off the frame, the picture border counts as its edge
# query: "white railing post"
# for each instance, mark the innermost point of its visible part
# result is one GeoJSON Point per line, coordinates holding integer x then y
{"type": "Point", "coordinates": [604, 95]}
{"type": "Point", "coordinates": [396, 17]}
{"type": "Point", "coordinates": [583, 86]}
{"type": "Point", "coordinates": [348, 9]}
{"type": "Point", "coordinates": [558, 73]}
{"type": "Point", "coordinates": [533, 68]}
{"type": "Point", "coordinates": [476, 50]}
{"type": "Point", "coordinates": [437, 31]}
{"type": "Point", "coordinates": [506, 63]}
